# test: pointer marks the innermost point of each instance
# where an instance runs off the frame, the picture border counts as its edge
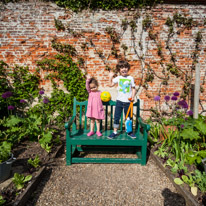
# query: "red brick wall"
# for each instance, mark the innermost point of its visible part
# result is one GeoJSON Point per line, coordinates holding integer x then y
{"type": "Point", "coordinates": [26, 31]}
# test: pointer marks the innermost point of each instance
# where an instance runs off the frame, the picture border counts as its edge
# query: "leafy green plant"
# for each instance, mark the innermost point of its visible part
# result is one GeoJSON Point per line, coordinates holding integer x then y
{"type": "Point", "coordinates": [45, 141]}
{"type": "Point", "coordinates": [162, 151]}
{"type": "Point", "coordinates": [2, 201]}
{"type": "Point", "coordinates": [57, 140]}
{"type": "Point", "coordinates": [35, 162]}
{"type": "Point", "coordinates": [189, 180]}
{"type": "Point", "coordinates": [11, 129]}
{"type": "Point", "coordinates": [200, 180]}
{"type": "Point", "coordinates": [170, 163]}
{"type": "Point", "coordinates": [177, 166]}
{"type": "Point", "coordinates": [195, 156]}
{"type": "Point", "coordinates": [154, 132]}
{"type": "Point", "coordinates": [30, 127]}
{"type": "Point", "coordinates": [190, 134]}
{"type": "Point", "coordinates": [20, 180]}
{"type": "Point", "coordinates": [192, 180]}
{"type": "Point", "coordinates": [5, 151]}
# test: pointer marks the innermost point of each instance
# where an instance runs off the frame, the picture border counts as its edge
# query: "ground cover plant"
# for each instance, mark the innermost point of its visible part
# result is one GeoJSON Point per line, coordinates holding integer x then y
{"type": "Point", "coordinates": [183, 147]}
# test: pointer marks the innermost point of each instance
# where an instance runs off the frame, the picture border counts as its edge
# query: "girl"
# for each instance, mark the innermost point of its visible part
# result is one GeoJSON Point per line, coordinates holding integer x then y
{"type": "Point", "coordinates": [95, 110]}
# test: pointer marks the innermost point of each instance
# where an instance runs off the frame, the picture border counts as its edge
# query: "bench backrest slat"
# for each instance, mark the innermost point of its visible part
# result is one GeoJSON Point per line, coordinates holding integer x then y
{"type": "Point", "coordinates": [85, 119]}
{"type": "Point", "coordinates": [111, 118]}
{"type": "Point", "coordinates": [137, 105]}
{"type": "Point", "coordinates": [80, 119]}
{"type": "Point", "coordinates": [106, 116]}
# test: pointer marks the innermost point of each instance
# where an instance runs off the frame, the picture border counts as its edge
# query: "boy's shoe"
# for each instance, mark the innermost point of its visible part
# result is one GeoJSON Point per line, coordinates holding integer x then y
{"type": "Point", "coordinates": [99, 134]}
{"type": "Point", "coordinates": [112, 136]}
{"type": "Point", "coordinates": [131, 135]}
{"type": "Point", "coordinates": [90, 133]}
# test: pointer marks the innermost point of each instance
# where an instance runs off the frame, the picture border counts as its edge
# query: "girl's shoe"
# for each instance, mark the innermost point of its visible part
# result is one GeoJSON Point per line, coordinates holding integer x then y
{"type": "Point", "coordinates": [90, 133]}
{"type": "Point", "coordinates": [99, 134]}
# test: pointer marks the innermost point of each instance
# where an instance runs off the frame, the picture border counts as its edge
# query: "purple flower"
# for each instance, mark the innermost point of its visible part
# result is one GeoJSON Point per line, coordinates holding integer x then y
{"type": "Point", "coordinates": [183, 104]}
{"type": "Point", "coordinates": [186, 119]}
{"type": "Point", "coordinates": [176, 94]}
{"type": "Point", "coordinates": [157, 98]}
{"type": "Point", "coordinates": [190, 113]}
{"type": "Point", "coordinates": [167, 98]}
{"type": "Point", "coordinates": [6, 94]}
{"type": "Point", "coordinates": [182, 125]}
{"type": "Point", "coordinates": [41, 92]}
{"type": "Point", "coordinates": [22, 101]}
{"type": "Point", "coordinates": [174, 98]}
{"type": "Point", "coordinates": [179, 103]}
{"type": "Point", "coordinates": [10, 107]}
{"type": "Point", "coordinates": [45, 100]}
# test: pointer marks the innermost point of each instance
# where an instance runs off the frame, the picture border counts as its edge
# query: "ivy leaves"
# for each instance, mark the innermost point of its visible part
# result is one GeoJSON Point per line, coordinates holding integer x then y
{"type": "Point", "coordinates": [79, 5]}
{"type": "Point", "coordinates": [62, 68]}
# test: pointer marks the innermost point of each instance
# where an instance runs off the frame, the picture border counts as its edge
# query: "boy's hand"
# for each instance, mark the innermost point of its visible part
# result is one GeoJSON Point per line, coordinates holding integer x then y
{"type": "Point", "coordinates": [131, 99]}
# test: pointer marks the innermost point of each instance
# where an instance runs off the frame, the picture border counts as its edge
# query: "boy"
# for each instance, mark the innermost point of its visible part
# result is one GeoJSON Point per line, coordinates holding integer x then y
{"type": "Point", "coordinates": [126, 90]}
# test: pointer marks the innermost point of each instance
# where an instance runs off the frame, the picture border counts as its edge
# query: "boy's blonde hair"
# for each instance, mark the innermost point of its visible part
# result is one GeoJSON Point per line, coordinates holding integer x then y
{"type": "Point", "coordinates": [122, 64]}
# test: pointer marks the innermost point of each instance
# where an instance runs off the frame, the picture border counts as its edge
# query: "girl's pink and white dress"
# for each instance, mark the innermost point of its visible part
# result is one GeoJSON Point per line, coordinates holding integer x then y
{"type": "Point", "coordinates": [95, 107]}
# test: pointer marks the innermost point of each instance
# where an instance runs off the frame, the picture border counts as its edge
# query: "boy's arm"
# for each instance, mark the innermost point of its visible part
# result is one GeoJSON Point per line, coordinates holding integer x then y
{"type": "Point", "coordinates": [133, 93]}
{"type": "Point", "coordinates": [111, 75]}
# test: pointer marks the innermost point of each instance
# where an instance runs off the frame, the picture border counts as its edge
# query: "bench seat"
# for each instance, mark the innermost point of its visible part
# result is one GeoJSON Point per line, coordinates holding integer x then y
{"type": "Point", "coordinates": [80, 137]}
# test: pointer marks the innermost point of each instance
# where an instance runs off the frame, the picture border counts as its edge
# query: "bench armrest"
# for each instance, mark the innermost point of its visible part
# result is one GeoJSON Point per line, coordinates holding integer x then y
{"type": "Point", "coordinates": [69, 123]}
{"type": "Point", "coordinates": [143, 125]}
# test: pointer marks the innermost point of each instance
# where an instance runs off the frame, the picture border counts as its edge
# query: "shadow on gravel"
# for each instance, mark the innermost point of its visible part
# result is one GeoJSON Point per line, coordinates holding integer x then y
{"type": "Point", "coordinates": [35, 196]}
{"type": "Point", "coordinates": [148, 151]}
{"type": "Point", "coordinates": [171, 198]}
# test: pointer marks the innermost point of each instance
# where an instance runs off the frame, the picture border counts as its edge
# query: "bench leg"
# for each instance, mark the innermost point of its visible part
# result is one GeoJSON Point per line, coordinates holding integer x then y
{"type": "Point", "coordinates": [68, 154]}
{"type": "Point", "coordinates": [144, 155]}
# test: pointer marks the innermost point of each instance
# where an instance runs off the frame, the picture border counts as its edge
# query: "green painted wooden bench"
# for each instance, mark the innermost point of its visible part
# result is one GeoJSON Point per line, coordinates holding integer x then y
{"type": "Point", "coordinates": [77, 139]}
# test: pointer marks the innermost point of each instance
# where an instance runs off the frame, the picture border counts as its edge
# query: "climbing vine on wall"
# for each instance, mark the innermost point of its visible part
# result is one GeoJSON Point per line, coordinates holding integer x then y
{"type": "Point", "coordinates": [166, 58]}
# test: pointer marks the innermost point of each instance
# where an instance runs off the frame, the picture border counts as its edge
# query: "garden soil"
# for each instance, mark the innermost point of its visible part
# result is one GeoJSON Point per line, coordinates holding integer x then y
{"type": "Point", "coordinates": [23, 152]}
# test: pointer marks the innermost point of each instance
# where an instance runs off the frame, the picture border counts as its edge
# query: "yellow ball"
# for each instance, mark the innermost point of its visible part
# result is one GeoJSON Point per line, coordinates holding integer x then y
{"type": "Point", "coordinates": [105, 96]}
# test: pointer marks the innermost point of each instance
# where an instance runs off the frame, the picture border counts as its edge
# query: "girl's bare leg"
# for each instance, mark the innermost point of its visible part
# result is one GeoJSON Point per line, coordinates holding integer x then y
{"type": "Point", "coordinates": [92, 125]}
{"type": "Point", "coordinates": [98, 125]}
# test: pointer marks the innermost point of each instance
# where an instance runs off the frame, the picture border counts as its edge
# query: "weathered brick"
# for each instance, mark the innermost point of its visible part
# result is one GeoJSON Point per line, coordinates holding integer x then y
{"type": "Point", "coordinates": [27, 28]}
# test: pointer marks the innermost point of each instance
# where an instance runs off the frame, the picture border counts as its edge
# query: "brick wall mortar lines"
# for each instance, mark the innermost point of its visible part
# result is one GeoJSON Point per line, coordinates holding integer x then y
{"type": "Point", "coordinates": [26, 31]}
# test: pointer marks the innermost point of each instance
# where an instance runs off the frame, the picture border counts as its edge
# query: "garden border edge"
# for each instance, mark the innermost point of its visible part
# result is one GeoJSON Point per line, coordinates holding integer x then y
{"type": "Point", "coordinates": [190, 201]}
{"type": "Point", "coordinates": [23, 198]}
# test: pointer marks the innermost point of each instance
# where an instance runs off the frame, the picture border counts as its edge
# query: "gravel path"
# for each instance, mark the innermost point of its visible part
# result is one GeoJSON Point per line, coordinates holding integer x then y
{"type": "Point", "coordinates": [105, 184]}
